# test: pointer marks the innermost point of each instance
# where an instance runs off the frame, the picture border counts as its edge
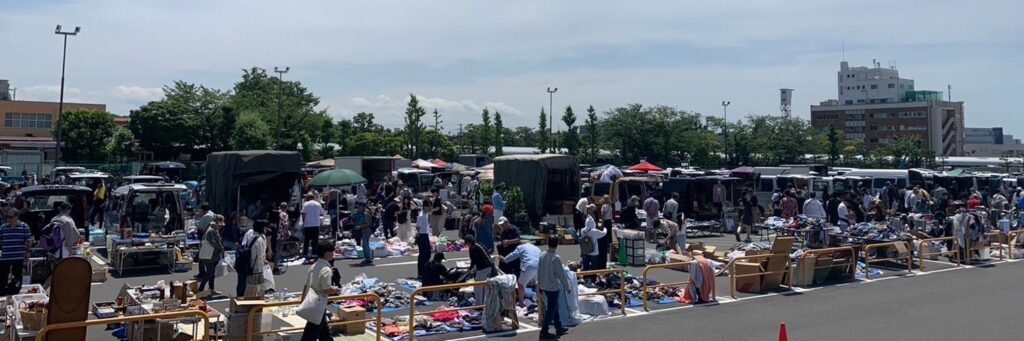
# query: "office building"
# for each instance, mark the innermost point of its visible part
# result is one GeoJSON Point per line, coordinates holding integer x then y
{"type": "Point", "coordinates": [875, 105]}
{"type": "Point", "coordinates": [991, 142]}
{"type": "Point", "coordinates": [28, 125]}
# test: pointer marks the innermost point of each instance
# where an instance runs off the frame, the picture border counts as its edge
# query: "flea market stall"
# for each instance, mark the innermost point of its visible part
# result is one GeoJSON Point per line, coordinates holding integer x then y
{"type": "Point", "coordinates": [240, 178]}
{"type": "Point", "coordinates": [550, 183]}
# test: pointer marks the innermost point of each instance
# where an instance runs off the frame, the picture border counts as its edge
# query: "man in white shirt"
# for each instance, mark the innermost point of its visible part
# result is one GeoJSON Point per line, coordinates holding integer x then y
{"type": "Point", "coordinates": [422, 240]}
{"type": "Point", "coordinates": [529, 255]}
{"type": "Point", "coordinates": [311, 213]}
{"type": "Point", "coordinates": [579, 214]}
{"type": "Point", "coordinates": [867, 200]}
{"type": "Point", "coordinates": [844, 215]}
{"type": "Point", "coordinates": [813, 207]}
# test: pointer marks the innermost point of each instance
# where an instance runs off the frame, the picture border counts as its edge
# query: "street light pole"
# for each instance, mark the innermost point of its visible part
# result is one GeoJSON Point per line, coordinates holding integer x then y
{"type": "Point", "coordinates": [280, 99]}
{"type": "Point", "coordinates": [551, 118]}
{"type": "Point", "coordinates": [60, 106]}
{"type": "Point", "coordinates": [725, 126]}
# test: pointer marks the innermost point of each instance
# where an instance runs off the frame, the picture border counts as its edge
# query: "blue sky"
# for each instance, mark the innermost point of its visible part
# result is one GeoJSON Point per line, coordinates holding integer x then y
{"type": "Point", "coordinates": [462, 56]}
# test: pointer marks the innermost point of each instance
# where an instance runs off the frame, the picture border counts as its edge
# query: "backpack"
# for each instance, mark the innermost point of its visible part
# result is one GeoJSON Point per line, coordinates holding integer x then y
{"type": "Point", "coordinates": [51, 238]}
{"type": "Point", "coordinates": [586, 243]}
{"type": "Point", "coordinates": [1020, 202]}
{"type": "Point", "coordinates": [243, 258]}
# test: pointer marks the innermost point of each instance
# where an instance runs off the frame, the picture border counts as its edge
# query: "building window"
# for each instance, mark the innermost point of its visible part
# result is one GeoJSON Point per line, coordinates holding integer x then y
{"type": "Point", "coordinates": [849, 101]}
{"type": "Point", "coordinates": [892, 86]}
{"type": "Point", "coordinates": [28, 120]}
{"type": "Point", "coordinates": [874, 86]}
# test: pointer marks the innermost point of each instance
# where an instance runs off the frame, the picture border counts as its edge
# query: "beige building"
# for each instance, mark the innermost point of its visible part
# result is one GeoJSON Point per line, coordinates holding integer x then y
{"type": "Point", "coordinates": [28, 125]}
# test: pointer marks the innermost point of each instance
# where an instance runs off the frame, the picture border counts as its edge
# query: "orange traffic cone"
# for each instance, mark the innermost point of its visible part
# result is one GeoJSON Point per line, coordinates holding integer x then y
{"type": "Point", "coordinates": [782, 332]}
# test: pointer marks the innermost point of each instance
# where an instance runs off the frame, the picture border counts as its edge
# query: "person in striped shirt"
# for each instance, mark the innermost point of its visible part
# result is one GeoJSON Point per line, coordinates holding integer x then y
{"type": "Point", "coordinates": [15, 237]}
{"type": "Point", "coordinates": [550, 280]}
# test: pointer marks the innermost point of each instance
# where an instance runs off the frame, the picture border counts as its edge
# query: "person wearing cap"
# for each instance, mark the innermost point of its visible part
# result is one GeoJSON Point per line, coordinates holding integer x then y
{"type": "Point", "coordinates": [509, 233]}
{"type": "Point", "coordinates": [319, 283]}
{"type": "Point", "coordinates": [211, 251]}
{"type": "Point", "coordinates": [68, 231]}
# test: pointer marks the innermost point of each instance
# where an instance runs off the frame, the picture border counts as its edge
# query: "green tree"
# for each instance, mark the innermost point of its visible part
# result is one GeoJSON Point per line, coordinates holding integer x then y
{"type": "Point", "coordinates": [437, 120]}
{"type": "Point", "coordinates": [369, 144]}
{"type": "Point", "coordinates": [287, 107]}
{"type": "Point", "coordinates": [571, 136]}
{"type": "Point", "coordinates": [414, 127]}
{"type": "Point", "coordinates": [437, 146]}
{"type": "Point", "coordinates": [363, 122]}
{"type": "Point", "coordinates": [542, 133]}
{"type": "Point", "coordinates": [189, 119]}
{"type": "Point", "coordinates": [906, 152]}
{"type": "Point", "coordinates": [835, 144]}
{"type": "Point", "coordinates": [122, 145]}
{"type": "Point", "coordinates": [592, 135]}
{"type": "Point", "coordinates": [522, 136]}
{"type": "Point", "coordinates": [852, 148]}
{"type": "Point", "coordinates": [344, 130]}
{"type": "Point", "coordinates": [251, 133]}
{"type": "Point", "coordinates": [86, 134]}
{"type": "Point", "coordinates": [499, 134]}
{"type": "Point", "coordinates": [486, 131]}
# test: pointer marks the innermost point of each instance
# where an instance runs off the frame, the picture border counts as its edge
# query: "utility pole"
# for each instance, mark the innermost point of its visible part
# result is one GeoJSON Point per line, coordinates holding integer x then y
{"type": "Point", "coordinates": [280, 99]}
{"type": "Point", "coordinates": [60, 107]}
{"type": "Point", "coordinates": [725, 127]}
{"type": "Point", "coordinates": [551, 118]}
{"type": "Point", "coordinates": [462, 144]}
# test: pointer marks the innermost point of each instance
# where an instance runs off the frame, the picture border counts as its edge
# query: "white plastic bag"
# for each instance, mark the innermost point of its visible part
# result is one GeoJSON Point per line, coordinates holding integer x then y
{"type": "Point", "coordinates": [268, 277]}
{"type": "Point", "coordinates": [223, 267]}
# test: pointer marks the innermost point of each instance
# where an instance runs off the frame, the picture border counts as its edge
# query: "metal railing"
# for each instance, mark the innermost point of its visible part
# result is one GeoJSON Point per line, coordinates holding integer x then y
{"type": "Point", "coordinates": [646, 287]}
{"type": "Point", "coordinates": [868, 260]}
{"type": "Point", "coordinates": [1001, 237]}
{"type": "Point", "coordinates": [418, 292]}
{"type": "Point", "coordinates": [170, 315]}
{"type": "Point", "coordinates": [250, 333]}
{"type": "Point", "coordinates": [733, 276]}
{"type": "Point", "coordinates": [851, 265]}
{"type": "Point", "coordinates": [970, 247]}
{"type": "Point", "coordinates": [921, 254]}
{"type": "Point", "coordinates": [621, 291]}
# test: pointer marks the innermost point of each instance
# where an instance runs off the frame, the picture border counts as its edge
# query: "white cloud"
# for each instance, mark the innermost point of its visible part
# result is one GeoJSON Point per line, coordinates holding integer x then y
{"type": "Point", "coordinates": [49, 93]}
{"type": "Point", "coordinates": [137, 94]}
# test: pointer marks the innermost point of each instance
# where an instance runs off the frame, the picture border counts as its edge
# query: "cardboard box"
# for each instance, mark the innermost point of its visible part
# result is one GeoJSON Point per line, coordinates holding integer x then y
{"type": "Point", "coordinates": [99, 275]}
{"type": "Point", "coordinates": [677, 258]}
{"type": "Point", "coordinates": [352, 314]}
{"type": "Point", "coordinates": [782, 245]}
{"type": "Point", "coordinates": [694, 246]}
{"type": "Point", "coordinates": [750, 284]}
{"type": "Point", "coordinates": [901, 249]}
{"type": "Point", "coordinates": [192, 285]}
{"type": "Point", "coordinates": [567, 239]}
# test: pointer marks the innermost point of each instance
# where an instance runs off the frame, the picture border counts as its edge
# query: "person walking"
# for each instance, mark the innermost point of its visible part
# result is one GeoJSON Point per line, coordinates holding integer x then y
{"type": "Point", "coordinates": [363, 220]}
{"type": "Point", "coordinates": [318, 282]}
{"type": "Point", "coordinates": [389, 216]}
{"type": "Point", "coordinates": [311, 213]}
{"type": "Point", "coordinates": [604, 243]}
{"type": "Point", "coordinates": [205, 218]}
{"type": "Point", "coordinates": [551, 280]}
{"type": "Point", "coordinates": [749, 203]}
{"type": "Point", "coordinates": [480, 263]}
{"type": "Point", "coordinates": [653, 210]}
{"type": "Point", "coordinates": [68, 231]}
{"type": "Point", "coordinates": [250, 274]}
{"type": "Point", "coordinates": [672, 207]}
{"type": "Point", "coordinates": [788, 205]}
{"type": "Point", "coordinates": [422, 242]}
{"type": "Point", "coordinates": [211, 251]}
{"type": "Point", "coordinates": [15, 239]}
{"type": "Point", "coordinates": [498, 202]}
{"type": "Point", "coordinates": [593, 232]}
{"type": "Point", "coordinates": [813, 207]}
{"type": "Point", "coordinates": [436, 213]}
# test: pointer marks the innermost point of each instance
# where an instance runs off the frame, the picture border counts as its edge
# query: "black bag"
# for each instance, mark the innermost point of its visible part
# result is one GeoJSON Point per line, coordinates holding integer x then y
{"type": "Point", "coordinates": [586, 243]}
{"type": "Point", "coordinates": [243, 258]}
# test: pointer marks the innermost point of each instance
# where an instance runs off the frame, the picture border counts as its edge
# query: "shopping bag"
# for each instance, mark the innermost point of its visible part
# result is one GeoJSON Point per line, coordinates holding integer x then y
{"type": "Point", "coordinates": [223, 268]}
{"type": "Point", "coordinates": [268, 277]}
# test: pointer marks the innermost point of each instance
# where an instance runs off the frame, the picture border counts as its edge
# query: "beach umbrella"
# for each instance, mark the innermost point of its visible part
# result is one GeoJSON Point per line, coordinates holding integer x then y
{"type": "Point", "coordinates": [645, 167]}
{"type": "Point", "coordinates": [337, 178]}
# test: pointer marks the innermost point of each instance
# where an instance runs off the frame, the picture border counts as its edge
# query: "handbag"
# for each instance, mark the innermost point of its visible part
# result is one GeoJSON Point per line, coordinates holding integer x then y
{"type": "Point", "coordinates": [206, 250]}
{"type": "Point", "coordinates": [313, 305]}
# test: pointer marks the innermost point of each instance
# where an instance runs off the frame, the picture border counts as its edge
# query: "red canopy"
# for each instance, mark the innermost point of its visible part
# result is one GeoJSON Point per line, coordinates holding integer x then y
{"type": "Point", "coordinates": [645, 167]}
{"type": "Point", "coordinates": [440, 163]}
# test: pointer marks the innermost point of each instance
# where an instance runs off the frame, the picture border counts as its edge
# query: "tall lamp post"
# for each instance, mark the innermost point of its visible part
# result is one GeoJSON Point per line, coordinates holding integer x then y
{"type": "Point", "coordinates": [280, 99]}
{"type": "Point", "coordinates": [60, 107]}
{"type": "Point", "coordinates": [551, 119]}
{"type": "Point", "coordinates": [725, 127]}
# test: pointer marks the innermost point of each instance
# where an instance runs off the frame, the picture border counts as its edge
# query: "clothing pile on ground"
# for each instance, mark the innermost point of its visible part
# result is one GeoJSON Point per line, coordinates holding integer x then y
{"type": "Point", "coordinates": [392, 296]}
{"type": "Point", "coordinates": [878, 232]}
{"type": "Point", "coordinates": [442, 322]}
{"type": "Point", "coordinates": [347, 248]}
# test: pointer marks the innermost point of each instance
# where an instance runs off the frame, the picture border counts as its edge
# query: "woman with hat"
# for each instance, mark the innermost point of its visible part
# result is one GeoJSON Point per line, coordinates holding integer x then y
{"type": "Point", "coordinates": [211, 251]}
